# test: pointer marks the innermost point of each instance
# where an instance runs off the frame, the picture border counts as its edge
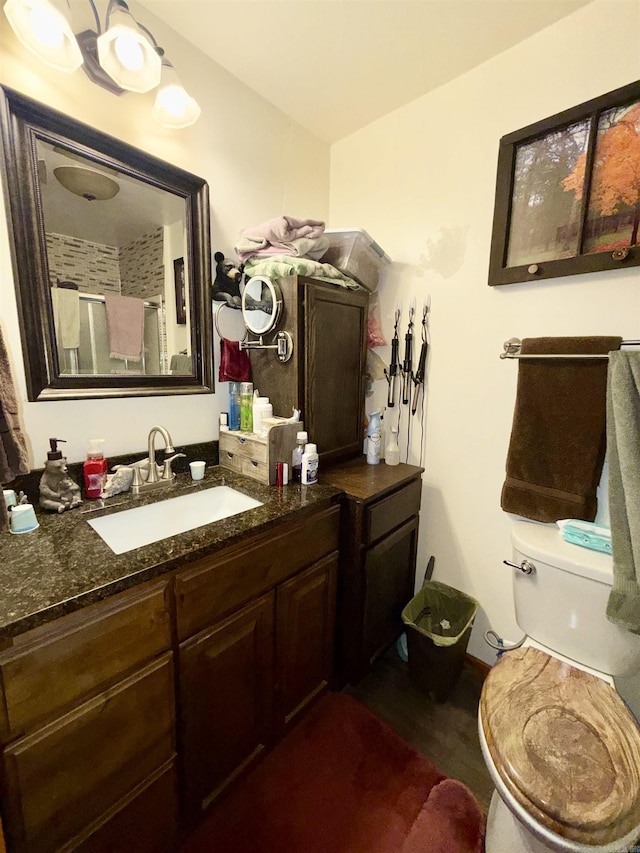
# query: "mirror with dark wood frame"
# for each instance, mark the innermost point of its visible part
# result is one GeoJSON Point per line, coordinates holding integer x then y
{"type": "Point", "coordinates": [111, 257]}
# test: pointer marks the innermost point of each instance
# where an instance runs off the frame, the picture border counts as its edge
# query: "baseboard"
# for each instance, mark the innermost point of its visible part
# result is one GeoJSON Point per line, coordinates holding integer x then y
{"type": "Point", "coordinates": [477, 665]}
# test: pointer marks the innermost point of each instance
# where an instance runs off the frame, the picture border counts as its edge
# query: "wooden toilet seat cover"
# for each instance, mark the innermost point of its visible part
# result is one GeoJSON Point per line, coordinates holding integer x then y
{"type": "Point", "coordinates": [565, 745]}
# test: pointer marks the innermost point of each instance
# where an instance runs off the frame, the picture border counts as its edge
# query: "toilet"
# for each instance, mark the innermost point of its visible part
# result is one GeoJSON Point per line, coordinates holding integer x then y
{"type": "Point", "coordinates": [560, 744]}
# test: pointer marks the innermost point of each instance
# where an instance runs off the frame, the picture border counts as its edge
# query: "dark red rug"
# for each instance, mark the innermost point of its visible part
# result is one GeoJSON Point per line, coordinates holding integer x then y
{"type": "Point", "coordinates": [343, 782]}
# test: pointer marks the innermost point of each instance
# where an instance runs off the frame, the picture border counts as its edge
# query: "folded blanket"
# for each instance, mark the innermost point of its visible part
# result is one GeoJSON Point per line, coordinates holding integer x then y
{"type": "Point", "coordinates": [557, 445]}
{"type": "Point", "coordinates": [125, 326]}
{"type": "Point", "coordinates": [279, 266]}
{"type": "Point", "coordinates": [301, 247]}
{"type": "Point", "coordinates": [284, 228]}
{"type": "Point", "coordinates": [623, 450]}
{"type": "Point", "coordinates": [284, 235]}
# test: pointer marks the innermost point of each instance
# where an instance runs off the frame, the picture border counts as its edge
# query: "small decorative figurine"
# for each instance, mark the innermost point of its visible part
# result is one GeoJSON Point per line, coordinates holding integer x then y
{"type": "Point", "coordinates": [226, 285]}
{"type": "Point", "coordinates": [58, 491]}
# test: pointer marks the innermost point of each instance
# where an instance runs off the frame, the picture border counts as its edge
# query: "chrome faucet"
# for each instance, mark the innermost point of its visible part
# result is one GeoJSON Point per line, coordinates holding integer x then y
{"type": "Point", "coordinates": [154, 479]}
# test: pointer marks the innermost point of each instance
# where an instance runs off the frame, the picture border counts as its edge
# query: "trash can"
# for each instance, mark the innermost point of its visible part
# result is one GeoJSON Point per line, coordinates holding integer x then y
{"type": "Point", "coordinates": [439, 619]}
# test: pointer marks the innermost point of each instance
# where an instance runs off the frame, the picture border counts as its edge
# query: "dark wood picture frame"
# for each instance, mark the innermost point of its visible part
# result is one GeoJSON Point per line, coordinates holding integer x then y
{"type": "Point", "coordinates": [550, 217]}
{"type": "Point", "coordinates": [181, 293]}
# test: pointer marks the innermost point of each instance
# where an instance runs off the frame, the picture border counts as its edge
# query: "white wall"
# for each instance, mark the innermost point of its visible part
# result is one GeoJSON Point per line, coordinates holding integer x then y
{"type": "Point", "coordinates": [421, 181]}
{"type": "Point", "coordinates": [258, 164]}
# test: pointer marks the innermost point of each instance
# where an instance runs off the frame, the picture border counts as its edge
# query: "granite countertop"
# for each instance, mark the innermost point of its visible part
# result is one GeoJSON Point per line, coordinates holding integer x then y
{"type": "Point", "coordinates": [64, 564]}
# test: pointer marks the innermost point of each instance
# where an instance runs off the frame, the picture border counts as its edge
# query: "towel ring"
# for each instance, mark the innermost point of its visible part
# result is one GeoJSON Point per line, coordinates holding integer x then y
{"type": "Point", "coordinates": [216, 322]}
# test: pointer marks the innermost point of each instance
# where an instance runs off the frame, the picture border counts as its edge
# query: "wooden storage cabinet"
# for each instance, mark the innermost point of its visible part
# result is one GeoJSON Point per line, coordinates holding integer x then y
{"type": "Point", "coordinates": [245, 676]}
{"type": "Point", "coordinates": [305, 623]}
{"type": "Point", "coordinates": [89, 723]}
{"type": "Point", "coordinates": [325, 376]}
{"type": "Point", "coordinates": [378, 547]}
{"type": "Point", "coordinates": [177, 685]}
{"type": "Point", "coordinates": [226, 686]}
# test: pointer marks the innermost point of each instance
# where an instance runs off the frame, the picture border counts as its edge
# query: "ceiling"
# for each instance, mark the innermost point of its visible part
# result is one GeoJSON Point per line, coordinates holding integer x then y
{"type": "Point", "coordinates": [334, 66]}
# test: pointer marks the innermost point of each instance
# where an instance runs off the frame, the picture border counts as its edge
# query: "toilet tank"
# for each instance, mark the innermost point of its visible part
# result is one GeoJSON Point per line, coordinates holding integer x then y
{"type": "Point", "coordinates": [562, 604]}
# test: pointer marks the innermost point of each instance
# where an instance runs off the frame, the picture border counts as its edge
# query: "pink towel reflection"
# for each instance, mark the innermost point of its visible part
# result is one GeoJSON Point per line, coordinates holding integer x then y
{"type": "Point", "coordinates": [125, 326]}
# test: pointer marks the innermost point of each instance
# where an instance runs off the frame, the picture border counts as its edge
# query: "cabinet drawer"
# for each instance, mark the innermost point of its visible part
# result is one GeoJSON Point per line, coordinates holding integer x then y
{"type": "Point", "coordinates": [68, 774]}
{"type": "Point", "coordinates": [149, 816]}
{"type": "Point", "coordinates": [241, 444]}
{"type": "Point", "coordinates": [80, 654]}
{"type": "Point", "coordinates": [221, 583]}
{"type": "Point", "coordinates": [232, 461]}
{"type": "Point", "coordinates": [256, 470]}
{"type": "Point", "coordinates": [386, 514]}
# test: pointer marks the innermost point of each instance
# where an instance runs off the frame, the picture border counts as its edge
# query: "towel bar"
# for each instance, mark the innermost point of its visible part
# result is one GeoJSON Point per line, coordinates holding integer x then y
{"type": "Point", "coordinates": [512, 350]}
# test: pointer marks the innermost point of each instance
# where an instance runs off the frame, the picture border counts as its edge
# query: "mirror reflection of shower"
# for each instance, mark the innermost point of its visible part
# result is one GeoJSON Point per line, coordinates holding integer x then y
{"type": "Point", "coordinates": [108, 234]}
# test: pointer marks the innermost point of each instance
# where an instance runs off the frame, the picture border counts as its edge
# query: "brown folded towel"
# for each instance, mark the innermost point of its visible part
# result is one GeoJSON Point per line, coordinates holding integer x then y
{"type": "Point", "coordinates": [558, 437]}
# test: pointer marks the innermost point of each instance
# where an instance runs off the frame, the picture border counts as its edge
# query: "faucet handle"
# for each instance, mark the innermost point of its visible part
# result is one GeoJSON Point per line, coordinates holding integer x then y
{"type": "Point", "coordinates": [167, 473]}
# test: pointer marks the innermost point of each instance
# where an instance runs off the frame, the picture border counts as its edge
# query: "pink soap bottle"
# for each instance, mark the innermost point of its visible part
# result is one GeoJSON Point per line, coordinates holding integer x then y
{"type": "Point", "coordinates": [95, 469]}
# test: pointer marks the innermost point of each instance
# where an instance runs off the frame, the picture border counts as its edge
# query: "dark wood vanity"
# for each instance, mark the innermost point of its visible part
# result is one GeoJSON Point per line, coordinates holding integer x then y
{"type": "Point", "coordinates": [123, 721]}
{"type": "Point", "coordinates": [378, 545]}
{"type": "Point", "coordinates": [137, 687]}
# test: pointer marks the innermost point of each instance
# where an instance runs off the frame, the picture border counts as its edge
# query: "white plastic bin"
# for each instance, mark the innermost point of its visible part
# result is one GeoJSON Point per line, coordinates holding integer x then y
{"type": "Point", "coordinates": [356, 254]}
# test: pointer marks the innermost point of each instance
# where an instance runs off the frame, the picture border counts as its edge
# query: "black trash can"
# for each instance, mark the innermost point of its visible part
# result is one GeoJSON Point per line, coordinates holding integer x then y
{"type": "Point", "coordinates": [439, 619]}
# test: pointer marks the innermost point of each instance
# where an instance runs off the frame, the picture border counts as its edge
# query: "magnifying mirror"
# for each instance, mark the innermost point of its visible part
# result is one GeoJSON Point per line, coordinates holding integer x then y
{"type": "Point", "coordinates": [261, 304]}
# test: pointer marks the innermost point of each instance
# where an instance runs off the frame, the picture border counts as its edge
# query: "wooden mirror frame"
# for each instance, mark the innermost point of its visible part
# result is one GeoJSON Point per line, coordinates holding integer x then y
{"type": "Point", "coordinates": [23, 122]}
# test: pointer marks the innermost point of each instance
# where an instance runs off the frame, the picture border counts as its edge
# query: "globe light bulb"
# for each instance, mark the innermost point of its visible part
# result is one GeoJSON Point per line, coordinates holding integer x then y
{"type": "Point", "coordinates": [46, 26]}
{"type": "Point", "coordinates": [129, 52]}
{"type": "Point", "coordinates": [174, 99]}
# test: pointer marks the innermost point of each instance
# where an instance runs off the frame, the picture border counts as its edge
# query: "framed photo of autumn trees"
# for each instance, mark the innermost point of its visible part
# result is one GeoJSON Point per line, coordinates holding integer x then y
{"type": "Point", "coordinates": [568, 192]}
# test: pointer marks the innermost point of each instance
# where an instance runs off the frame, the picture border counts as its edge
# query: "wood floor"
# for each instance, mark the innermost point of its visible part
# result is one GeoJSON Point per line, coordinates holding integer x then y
{"type": "Point", "coordinates": [445, 733]}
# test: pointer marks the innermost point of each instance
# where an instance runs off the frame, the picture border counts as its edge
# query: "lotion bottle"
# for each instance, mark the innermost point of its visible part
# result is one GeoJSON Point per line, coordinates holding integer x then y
{"type": "Point", "coordinates": [309, 472]}
{"type": "Point", "coordinates": [95, 469]}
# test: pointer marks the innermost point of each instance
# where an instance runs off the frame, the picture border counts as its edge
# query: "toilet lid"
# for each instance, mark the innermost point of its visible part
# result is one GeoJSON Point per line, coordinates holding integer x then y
{"type": "Point", "coordinates": [564, 744]}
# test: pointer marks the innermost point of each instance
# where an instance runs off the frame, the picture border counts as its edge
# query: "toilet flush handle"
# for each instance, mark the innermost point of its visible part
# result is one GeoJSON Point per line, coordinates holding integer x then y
{"type": "Point", "coordinates": [525, 567]}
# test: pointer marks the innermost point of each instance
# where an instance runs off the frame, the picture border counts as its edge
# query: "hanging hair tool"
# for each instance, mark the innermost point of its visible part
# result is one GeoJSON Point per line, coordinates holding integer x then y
{"type": "Point", "coordinates": [393, 367]}
{"type": "Point", "coordinates": [407, 364]}
{"type": "Point", "coordinates": [418, 379]}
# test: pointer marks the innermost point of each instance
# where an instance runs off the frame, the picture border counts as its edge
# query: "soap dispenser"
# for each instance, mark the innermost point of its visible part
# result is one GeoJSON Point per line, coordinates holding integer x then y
{"type": "Point", "coordinates": [58, 491]}
{"type": "Point", "coordinates": [95, 469]}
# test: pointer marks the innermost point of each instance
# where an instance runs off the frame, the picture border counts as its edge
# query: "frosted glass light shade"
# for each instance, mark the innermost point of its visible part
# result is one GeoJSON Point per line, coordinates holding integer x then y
{"type": "Point", "coordinates": [91, 185]}
{"type": "Point", "coordinates": [173, 106]}
{"type": "Point", "coordinates": [127, 55]}
{"type": "Point", "coordinates": [44, 30]}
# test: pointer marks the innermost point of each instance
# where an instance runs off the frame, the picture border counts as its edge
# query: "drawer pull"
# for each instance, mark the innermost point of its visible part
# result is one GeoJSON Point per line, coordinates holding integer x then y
{"type": "Point", "coordinates": [229, 455]}
{"type": "Point", "coordinates": [254, 463]}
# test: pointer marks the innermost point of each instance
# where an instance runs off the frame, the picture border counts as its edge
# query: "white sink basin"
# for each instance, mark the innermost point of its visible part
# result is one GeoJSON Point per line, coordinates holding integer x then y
{"type": "Point", "coordinates": [133, 528]}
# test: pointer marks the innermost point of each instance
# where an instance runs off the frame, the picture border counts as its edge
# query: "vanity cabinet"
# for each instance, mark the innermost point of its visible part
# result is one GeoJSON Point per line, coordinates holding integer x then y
{"type": "Point", "coordinates": [87, 726]}
{"type": "Point", "coordinates": [256, 627]}
{"type": "Point", "coordinates": [121, 722]}
{"type": "Point", "coordinates": [378, 546]}
{"type": "Point", "coordinates": [325, 376]}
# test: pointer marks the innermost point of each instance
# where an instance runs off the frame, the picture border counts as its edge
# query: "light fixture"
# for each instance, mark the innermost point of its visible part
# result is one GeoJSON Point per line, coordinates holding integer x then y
{"type": "Point", "coordinates": [94, 186]}
{"type": "Point", "coordinates": [122, 56]}
{"type": "Point", "coordinates": [174, 107]}
{"type": "Point", "coordinates": [125, 52]}
{"type": "Point", "coordinates": [42, 28]}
